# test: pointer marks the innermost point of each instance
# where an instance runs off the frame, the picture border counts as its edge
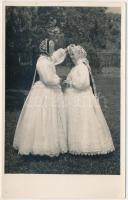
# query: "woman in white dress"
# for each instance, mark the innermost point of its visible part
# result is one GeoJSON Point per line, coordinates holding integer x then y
{"type": "Point", "coordinates": [41, 127]}
{"type": "Point", "coordinates": [88, 132]}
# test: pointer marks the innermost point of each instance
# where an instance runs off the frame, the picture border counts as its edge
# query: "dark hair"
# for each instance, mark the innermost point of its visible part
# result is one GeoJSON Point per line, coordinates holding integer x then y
{"type": "Point", "coordinates": [48, 46]}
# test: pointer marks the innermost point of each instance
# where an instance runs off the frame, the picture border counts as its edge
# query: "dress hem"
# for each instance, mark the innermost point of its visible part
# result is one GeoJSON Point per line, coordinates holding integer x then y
{"type": "Point", "coordinates": [40, 154]}
{"type": "Point", "coordinates": [71, 152]}
{"type": "Point", "coordinates": [92, 153]}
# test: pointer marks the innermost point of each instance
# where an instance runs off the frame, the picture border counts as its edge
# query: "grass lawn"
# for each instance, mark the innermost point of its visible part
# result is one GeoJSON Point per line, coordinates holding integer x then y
{"type": "Point", "coordinates": [109, 88]}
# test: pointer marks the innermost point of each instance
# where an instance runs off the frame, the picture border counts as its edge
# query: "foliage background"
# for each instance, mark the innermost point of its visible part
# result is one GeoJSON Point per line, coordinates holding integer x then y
{"type": "Point", "coordinates": [94, 28]}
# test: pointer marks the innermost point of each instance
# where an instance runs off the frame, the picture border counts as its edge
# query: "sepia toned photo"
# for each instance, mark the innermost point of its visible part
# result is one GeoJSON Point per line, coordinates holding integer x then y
{"type": "Point", "coordinates": [63, 90]}
{"type": "Point", "coordinates": [63, 99]}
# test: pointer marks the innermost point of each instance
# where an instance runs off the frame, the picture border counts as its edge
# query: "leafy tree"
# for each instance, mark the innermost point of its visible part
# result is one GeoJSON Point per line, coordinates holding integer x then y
{"type": "Point", "coordinates": [93, 28]}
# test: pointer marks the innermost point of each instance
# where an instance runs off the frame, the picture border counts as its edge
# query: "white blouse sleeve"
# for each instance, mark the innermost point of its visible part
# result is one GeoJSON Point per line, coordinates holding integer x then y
{"type": "Point", "coordinates": [58, 56]}
{"type": "Point", "coordinates": [47, 76]}
{"type": "Point", "coordinates": [79, 79]}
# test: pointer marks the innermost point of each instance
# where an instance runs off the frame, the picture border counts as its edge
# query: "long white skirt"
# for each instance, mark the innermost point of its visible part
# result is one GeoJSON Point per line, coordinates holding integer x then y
{"type": "Point", "coordinates": [41, 128]}
{"type": "Point", "coordinates": [88, 132]}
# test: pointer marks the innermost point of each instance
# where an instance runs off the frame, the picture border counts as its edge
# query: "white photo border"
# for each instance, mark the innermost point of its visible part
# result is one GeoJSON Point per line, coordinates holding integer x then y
{"type": "Point", "coordinates": [67, 186]}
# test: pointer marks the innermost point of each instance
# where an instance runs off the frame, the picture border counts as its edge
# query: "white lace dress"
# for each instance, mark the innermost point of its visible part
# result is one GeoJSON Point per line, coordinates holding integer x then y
{"type": "Point", "coordinates": [88, 132]}
{"type": "Point", "coordinates": [41, 128]}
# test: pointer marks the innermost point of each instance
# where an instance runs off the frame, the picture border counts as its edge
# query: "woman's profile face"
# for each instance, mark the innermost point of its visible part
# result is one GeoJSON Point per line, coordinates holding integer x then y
{"type": "Point", "coordinates": [74, 60]}
{"type": "Point", "coordinates": [72, 54]}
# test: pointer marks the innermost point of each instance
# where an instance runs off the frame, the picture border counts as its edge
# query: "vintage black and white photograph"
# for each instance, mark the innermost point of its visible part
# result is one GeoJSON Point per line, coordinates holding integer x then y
{"type": "Point", "coordinates": [62, 79]}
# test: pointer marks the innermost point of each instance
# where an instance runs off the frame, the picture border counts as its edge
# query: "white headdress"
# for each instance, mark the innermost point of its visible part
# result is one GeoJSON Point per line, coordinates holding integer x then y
{"type": "Point", "coordinates": [77, 51]}
{"type": "Point", "coordinates": [44, 46]}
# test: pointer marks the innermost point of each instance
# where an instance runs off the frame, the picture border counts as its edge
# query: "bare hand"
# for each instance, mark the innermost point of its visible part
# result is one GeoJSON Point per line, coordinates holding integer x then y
{"type": "Point", "coordinates": [66, 50]}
